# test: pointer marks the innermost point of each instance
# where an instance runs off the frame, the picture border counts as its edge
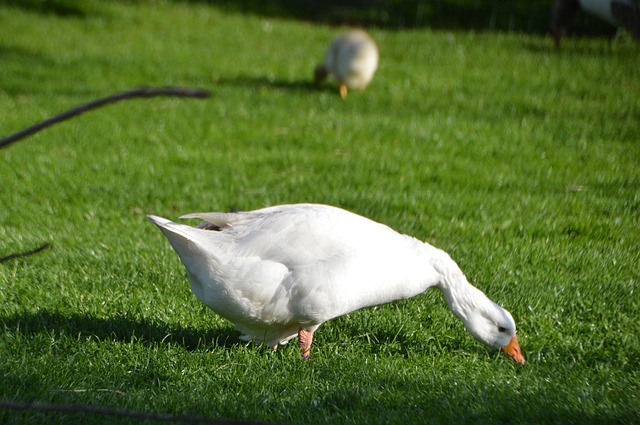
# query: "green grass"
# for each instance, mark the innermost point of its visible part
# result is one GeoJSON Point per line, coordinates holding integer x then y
{"type": "Point", "coordinates": [519, 160]}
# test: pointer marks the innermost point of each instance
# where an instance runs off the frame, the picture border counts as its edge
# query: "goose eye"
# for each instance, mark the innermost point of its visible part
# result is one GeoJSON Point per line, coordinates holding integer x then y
{"type": "Point", "coordinates": [502, 329]}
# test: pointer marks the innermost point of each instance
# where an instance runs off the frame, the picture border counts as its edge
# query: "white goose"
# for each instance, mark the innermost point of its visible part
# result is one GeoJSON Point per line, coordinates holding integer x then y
{"type": "Point", "coordinates": [352, 59]}
{"type": "Point", "coordinates": [282, 271]}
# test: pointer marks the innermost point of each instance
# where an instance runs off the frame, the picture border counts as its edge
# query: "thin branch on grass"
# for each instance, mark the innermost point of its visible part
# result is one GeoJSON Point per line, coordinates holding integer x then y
{"type": "Point", "coordinates": [142, 416]}
{"type": "Point", "coordinates": [26, 253]}
{"type": "Point", "coordinates": [142, 92]}
{"type": "Point", "coordinates": [129, 94]}
{"type": "Point", "coordinates": [98, 390]}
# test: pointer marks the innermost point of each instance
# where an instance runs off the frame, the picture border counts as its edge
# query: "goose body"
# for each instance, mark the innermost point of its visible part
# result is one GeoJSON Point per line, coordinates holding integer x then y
{"type": "Point", "coordinates": [352, 59]}
{"type": "Point", "coordinates": [282, 271]}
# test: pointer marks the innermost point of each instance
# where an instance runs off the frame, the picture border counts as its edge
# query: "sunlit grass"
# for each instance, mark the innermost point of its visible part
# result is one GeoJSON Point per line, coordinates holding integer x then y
{"type": "Point", "coordinates": [521, 161]}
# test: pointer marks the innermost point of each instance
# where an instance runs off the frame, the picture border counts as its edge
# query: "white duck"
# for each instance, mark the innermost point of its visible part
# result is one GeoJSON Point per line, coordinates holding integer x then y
{"type": "Point", "coordinates": [282, 271]}
{"type": "Point", "coordinates": [352, 59]}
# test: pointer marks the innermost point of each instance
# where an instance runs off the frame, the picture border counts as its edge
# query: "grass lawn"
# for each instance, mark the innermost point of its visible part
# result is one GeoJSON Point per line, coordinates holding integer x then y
{"type": "Point", "coordinates": [521, 161]}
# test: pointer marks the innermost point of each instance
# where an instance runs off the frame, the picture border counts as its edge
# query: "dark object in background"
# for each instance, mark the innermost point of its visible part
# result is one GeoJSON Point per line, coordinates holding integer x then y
{"type": "Point", "coordinates": [562, 13]}
{"type": "Point", "coordinates": [628, 15]}
{"type": "Point", "coordinates": [619, 13]}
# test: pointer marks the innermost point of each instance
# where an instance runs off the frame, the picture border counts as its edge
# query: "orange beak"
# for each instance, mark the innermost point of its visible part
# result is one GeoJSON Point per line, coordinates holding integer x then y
{"type": "Point", "coordinates": [513, 350]}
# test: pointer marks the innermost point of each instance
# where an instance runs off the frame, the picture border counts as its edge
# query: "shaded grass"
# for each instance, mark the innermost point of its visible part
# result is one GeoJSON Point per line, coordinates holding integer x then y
{"type": "Point", "coordinates": [519, 160]}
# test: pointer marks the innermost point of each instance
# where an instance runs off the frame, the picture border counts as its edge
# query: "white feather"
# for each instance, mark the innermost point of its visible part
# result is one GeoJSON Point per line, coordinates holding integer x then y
{"type": "Point", "coordinates": [276, 270]}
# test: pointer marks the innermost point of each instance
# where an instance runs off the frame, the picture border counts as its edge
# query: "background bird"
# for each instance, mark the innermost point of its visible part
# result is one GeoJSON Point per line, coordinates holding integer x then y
{"type": "Point", "coordinates": [352, 59]}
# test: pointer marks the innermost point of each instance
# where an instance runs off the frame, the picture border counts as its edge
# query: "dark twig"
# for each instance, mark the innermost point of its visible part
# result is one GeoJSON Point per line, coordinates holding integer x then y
{"type": "Point", "coordinates": [141, 416]}
{"type": "Point", "coordinates": [26, 253]}
{"type": "Point", "coordinates": [130, 94]}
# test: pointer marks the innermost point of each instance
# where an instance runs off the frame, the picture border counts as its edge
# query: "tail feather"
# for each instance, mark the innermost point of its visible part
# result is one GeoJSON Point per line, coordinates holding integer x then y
{"type": "Point", "coordinates": [202, 253]}
{"type": "Point", "coordinates": [187, 241]}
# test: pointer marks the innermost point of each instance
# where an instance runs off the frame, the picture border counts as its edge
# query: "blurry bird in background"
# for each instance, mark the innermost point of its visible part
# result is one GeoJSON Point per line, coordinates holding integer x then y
{"type": "Point", "coordinates": [352, 59]}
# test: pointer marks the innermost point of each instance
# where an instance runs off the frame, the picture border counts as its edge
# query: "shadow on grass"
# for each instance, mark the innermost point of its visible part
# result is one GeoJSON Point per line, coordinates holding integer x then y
{"type": "Point", "coordinates": [445, 400]}
{"type": "Point", "coordinates": [522, 16]}
{"type": "Point", "coordinates": [394, 339]}
{"type": "Point", "coordinates": [577, 48]}
{"type": "Point", "coordinates": [266, 83]}
{"type": "Point", "coordinates": [37, 71]}
{"type": "Point", "coordinates": [23, 56]}
{"type": "Point", "coordinates": [525, 16]}
{"type": "Point", "coordinates": [121, 328]}
{"type": "Point", "coordinates": [518, 15]}
{"type": "Point", "coordinates": [62, 8]}
{"type": "Point", "coordinates": [380, 339]}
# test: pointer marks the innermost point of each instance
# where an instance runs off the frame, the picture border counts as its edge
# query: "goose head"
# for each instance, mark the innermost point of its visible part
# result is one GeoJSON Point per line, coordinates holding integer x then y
{"type": "Point", "coordinates": [490, 324]}
{"type": "Point", "coordinates": [493, 326]}
{"type": "Point", "coordinates": [485, 320]}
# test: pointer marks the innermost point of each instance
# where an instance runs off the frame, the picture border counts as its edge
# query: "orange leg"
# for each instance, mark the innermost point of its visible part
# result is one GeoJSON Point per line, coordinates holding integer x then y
{"type": "Point", "coordinates": [343, 90]}
{"type": "Point", "coordinates": [305, 338]}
